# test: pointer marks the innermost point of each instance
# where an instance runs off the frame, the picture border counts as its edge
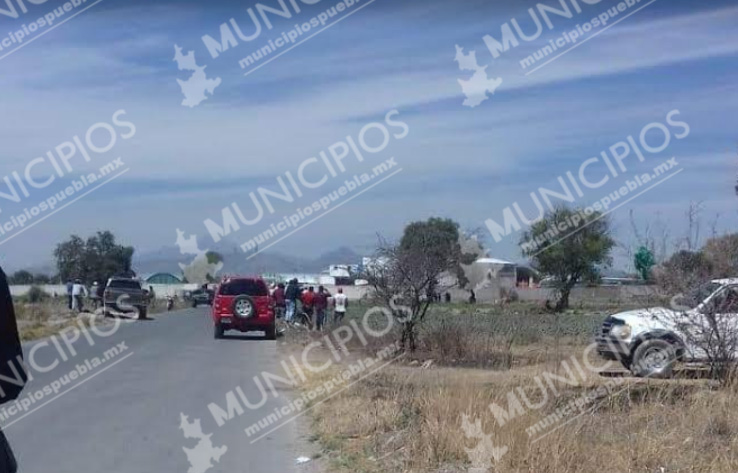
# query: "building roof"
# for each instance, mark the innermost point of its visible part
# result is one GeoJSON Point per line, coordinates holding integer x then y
{"type": "Point", "coordinates": [146, 277]}
{"type": "Point", "coordinates": [492, 261]}
{"type": "Point", "coordinates": [726, 281]}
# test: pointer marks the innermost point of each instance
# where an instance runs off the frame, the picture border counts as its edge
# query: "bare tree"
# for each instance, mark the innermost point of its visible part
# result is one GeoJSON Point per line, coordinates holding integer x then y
{"type": "Point", "coordinates": [654, 236]}
{"type": "Point", "coordinates": [406, 277]}
{"type": "Point", "coordinates": [694, 222]}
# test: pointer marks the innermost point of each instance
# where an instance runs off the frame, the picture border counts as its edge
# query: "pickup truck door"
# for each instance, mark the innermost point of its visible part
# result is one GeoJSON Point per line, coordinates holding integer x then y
{"type": "Point", "coordinates": [715, 324]}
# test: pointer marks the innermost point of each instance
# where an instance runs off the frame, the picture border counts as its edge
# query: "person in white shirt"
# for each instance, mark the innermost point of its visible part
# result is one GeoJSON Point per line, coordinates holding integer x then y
{"type": "Point", "coordinates": [78, 290]}
{"type": "Point", "coordinates": [340, 304]}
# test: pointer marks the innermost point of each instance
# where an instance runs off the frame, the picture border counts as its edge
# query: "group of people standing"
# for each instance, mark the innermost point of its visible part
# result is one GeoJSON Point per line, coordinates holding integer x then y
{"type": "Point", "coordinates": [313, 304]}
{"type": "Point", "coordinates": [76, 292]}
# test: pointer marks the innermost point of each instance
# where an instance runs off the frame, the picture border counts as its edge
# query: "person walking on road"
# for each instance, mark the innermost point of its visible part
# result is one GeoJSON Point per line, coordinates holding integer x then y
{"type": "Point", "coordinates": [291, 295]}
{"type": "Point", "coordinates": [12, 374]}
{"type": "Point", "coordinates": [94, 295]}
{"type": "Point", "coordinates": [279, 300]}
{"type": "Point", "coordinates": [340, 304]}
{"type": "Point", "coordinates": [152, 296]}
{"type": "Point", "coordinates": [70, 296]}
{"type": "Point", "coordinates": [321, 304]}
{"type": "Point", "coordinates": [78, 291]}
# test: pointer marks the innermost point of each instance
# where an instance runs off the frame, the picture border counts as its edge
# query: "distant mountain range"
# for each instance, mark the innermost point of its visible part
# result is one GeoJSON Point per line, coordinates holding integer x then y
{"type": "Point", "coordinates": [166, 260]}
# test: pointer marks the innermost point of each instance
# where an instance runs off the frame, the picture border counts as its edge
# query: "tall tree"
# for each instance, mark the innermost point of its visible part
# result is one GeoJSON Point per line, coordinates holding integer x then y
{"type": "Point", "coordinates": [41, 279]}
{"type": "Point", "coordinates": [22, 277]}
{"type": "Point", "coordinates": [70, 258]}
{"type": "Point", "coordinates": [96, 259]}
{"type": "Point", "coordinates": [571, 255]}
{"type": "Point", "coordinates": [406, 276]}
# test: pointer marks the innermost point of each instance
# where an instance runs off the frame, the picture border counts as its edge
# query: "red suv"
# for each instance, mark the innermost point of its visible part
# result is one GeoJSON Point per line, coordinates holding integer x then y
{"type": "Point", "coordinates": [244, 304]}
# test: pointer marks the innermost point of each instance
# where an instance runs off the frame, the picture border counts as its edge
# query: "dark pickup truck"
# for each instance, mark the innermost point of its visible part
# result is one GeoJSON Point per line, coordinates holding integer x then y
{"type": "Point", "coordinates": [202, 296]}
{"type": "Point", "coordinates": [126, 296]}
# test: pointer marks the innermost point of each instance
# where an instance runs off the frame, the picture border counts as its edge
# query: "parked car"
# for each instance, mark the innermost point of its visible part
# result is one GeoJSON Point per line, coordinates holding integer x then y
{"type": "Point", "coordinates": [244, 304]}
{"type": "Point", "coordinates": [649, 342]}
{"type": "Point", "coordinates": [125, 295]}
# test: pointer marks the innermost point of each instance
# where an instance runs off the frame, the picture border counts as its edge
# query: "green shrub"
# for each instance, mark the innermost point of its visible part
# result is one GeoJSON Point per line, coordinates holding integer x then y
{"type": "Point", "coordinates": [36, 295]}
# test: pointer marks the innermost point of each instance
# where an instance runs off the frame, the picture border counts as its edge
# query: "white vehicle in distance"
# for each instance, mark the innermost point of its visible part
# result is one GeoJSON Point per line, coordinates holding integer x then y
{"type": "Point", "coordinates": [649, 341]}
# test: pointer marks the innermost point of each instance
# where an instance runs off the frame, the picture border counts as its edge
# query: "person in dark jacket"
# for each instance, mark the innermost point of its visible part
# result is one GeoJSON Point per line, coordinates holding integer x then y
{"type": "Point", "coordinates": [70, 297]}
{"type": "Point", "coordinates": [291, 295]}
{"type": "Point", "coordinates": [12, 373]}
{"type": "Point", "coordinates": [320, 302]}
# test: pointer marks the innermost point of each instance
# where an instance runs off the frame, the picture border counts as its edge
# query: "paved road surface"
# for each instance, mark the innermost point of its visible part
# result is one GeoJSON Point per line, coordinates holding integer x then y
{"type": "Point", "coordinates": [124, 415]}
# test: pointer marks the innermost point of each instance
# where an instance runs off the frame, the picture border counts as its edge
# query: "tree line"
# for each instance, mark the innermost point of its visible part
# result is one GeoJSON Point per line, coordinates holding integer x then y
{"type": "Point", "coordinates": [96, 258]}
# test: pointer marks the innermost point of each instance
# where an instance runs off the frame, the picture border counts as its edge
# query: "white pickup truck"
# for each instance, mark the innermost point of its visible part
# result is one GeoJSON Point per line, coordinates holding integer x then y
{"type": "Point", "coordinates": [649, 341]}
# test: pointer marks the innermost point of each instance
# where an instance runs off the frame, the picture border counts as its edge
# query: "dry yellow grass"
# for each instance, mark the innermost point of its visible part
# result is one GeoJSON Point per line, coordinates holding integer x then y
{"type": "Point", "coordinates": [407, 419]}
{"type": "Point", "coordinates": [51, 315]}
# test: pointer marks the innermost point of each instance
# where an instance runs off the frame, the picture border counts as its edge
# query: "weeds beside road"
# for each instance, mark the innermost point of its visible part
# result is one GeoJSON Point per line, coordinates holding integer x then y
{"type": "Point", "coordinates": [51, 315]}
{"type": "Point", "coordinates": [409, 416]}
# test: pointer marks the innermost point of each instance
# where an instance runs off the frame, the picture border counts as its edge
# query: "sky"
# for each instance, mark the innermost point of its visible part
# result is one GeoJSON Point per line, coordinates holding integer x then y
{"type": "Point", "coordinates": [183, 165]}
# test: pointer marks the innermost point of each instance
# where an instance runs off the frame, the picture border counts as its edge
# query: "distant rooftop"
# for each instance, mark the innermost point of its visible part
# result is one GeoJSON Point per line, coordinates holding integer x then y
{"type": "Point", "coordinates": [493, 261]}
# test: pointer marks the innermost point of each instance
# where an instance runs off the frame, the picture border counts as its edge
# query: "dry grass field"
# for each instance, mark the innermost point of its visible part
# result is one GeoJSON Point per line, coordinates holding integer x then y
{"type": "Point", "coordinates": [50, 315]}
{"type": "Point", "coordinates": [409, 416]}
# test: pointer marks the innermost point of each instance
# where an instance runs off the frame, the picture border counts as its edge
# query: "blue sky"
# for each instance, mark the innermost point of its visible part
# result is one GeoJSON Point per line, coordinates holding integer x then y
{"type": "Point", "coordinates": [186, 164]}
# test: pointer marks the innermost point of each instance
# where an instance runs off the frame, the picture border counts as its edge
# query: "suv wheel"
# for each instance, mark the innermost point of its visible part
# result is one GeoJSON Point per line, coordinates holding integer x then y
{"type": "Point", "coordinates": [654, 359]}
{"type": "Point", "coordinates": [218, 332]}
{"type": "Point", "coordinates": [244, 307]}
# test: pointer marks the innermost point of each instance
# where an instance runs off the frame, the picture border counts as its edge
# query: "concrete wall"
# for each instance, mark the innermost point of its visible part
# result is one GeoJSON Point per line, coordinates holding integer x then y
{"type": "Point", "coordinates": [590, 294]}
{"type": "Point", "coordinates": [491, 293]}
{"type": "Point", "coordinates": [160, 290]}
{"type": "Point", "coordinates": [487, 294]}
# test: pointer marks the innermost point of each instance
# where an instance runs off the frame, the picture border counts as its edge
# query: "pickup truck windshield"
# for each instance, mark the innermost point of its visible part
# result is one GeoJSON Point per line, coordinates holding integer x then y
{"type": "Point", "coordinates": [724, 302]}
{"type": "Point", "coordinates": [698, 295]}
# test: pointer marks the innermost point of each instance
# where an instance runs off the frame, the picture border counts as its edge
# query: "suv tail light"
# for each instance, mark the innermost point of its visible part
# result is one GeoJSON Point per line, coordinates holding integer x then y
{"type": "Point", "coordinates": [220, 304]}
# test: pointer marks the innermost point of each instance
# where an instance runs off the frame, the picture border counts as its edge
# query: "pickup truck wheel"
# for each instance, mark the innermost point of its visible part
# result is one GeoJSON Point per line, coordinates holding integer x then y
{"type": "Point", "coordinates": [218, 332]}
{"type": "Point", "coordinates": [654, 359]}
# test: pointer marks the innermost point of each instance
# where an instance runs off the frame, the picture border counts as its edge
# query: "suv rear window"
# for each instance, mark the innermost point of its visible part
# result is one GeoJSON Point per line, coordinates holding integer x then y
{"type": "Point", "coordinates": [247, 287]}
{"type": "Point", "coordinates": [125, 284]}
